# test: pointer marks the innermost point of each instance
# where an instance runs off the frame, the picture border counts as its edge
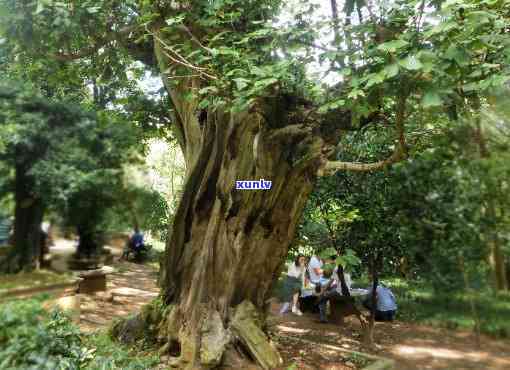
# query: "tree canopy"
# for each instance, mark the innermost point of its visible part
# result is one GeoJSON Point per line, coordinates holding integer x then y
{"type": "Point", "coordinates": [289, 91]}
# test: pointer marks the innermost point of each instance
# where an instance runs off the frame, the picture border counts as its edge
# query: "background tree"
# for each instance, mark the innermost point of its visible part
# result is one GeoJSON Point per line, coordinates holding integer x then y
{"type": "Point", "coordinates": [244, 106]}
{"type": "Point", "coordinates": [85, 177]}
{"type": "Point", "coordinates": [36, 128]}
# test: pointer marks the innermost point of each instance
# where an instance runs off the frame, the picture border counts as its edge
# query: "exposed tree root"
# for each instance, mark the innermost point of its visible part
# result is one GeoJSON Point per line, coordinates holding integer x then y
{"type": "Point", "coordinates": [203, 344]}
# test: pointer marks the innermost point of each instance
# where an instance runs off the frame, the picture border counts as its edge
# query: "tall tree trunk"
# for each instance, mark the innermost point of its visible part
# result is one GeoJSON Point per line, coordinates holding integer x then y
{"type": "Point", "coordinates": [375, 265]}
{"type": "Point", "coordinates": [87, 245]}
{"type": "Point", "coordinates": [227, 245]}
{"type": "Point", "coordinates": [496, 255]}
{"type": "Point", "coordinates": [472, 302]}
{"type": "Point", "coordinates": [28, 216]}
{"type": "Point", "coordinates": [498, 264]}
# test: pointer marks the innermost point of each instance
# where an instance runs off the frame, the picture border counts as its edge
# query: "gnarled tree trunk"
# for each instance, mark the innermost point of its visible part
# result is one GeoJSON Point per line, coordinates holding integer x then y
{"type": "Point", "coordinates": [227, 245]}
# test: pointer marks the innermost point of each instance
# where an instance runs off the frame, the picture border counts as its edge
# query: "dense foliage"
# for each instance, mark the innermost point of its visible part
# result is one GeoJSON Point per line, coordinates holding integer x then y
{"type": "Point", "coordinates": [294, 90]}
{"type": "Point", "coordinates": [33, 338]}
{"type": "Point", "coordinates": [422, 215]}
{"type": "Point", "coordinates": [30, 338]}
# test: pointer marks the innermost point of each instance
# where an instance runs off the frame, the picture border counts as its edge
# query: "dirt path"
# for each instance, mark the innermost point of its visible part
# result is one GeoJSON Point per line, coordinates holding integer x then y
{"type": "Point", "coordinates": [129, 288]}
{"type": "Point", "coordinates": [412, 346]}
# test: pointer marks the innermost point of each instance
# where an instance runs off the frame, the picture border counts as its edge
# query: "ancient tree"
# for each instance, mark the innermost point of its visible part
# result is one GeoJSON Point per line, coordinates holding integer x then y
{"type": "Point", "coordinates": [245, 106]}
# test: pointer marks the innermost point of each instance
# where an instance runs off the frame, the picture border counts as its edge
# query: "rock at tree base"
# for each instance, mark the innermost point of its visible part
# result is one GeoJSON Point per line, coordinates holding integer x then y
{"type": "Point", "coordinates": [128, 331]}
{"type": "Point", "coordinates": [214, 340]}
{"type": "Point", "coordinates": [245, 325]}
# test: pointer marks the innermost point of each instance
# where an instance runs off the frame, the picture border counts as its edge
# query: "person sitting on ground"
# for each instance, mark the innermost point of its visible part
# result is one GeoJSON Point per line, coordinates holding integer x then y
{"type": "Point", "coordinates": [334, 289]}
{"type": "Point", "coordinates": [134, 244]}
{"type": "Point", "coordinates": [137, 242]}
{"type": "Point", "coordinates": [386, 305]}
{"type": "Point", "coordinates": [316, 272]}
{"type": "Point", "coordinates": [294, 282]}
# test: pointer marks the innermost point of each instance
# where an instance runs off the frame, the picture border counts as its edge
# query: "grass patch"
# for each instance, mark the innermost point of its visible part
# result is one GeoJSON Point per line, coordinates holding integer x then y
{"type": "Point", "coordinates": [110, 355]}
{"type": "Point", "coordinates": [33, 279]}
{"type": "Point", "coordinates": [358, 360]}
{"type": "Point", "coordinates": [418, 302]}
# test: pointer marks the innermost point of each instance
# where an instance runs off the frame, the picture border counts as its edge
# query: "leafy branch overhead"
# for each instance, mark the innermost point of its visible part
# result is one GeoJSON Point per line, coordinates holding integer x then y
{"type": "Point", "coordinates": [233, 55]}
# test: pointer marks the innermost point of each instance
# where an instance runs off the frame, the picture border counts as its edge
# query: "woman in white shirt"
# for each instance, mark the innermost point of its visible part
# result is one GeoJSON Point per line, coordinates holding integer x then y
{"type": "Point", "coordinates": [294, 282]}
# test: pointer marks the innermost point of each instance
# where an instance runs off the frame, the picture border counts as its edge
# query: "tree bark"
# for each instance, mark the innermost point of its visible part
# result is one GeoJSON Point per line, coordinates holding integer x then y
{"type": "Point", "coordinates": [227, 245]}
{"type": "Point", "coordinates": [375, 265]}
{"type": "Point", "coordinates": [88, 246]}
{"type": "Point", "coordinates": [28, 215]}
{"type": "Point", "coordinates": [498, 264]}
{"type": "Point", "coordinates": [496, 255]}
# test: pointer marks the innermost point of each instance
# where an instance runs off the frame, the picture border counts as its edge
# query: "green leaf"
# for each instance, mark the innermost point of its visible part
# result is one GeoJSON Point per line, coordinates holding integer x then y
{"type": "Point", "coordinates": [472, 86]}
{"type": "Point", "coordinates": [431, 99]}
{"type": "Point", "coordinates": [411, 63]}
{"type": "Point", "coordinates": [175, 20]}
{"type": "Point", "coordinates": [392, 46]}
{"type": "Point", "coordinates": [497, 81]}
{"type": "Point", "coordinates": [458, 55]}
{"type": "Point", "coordinates": [341, 261]}
{"type": "Point", "coordinates": [355, 93]}
{"type": "Point", "coordinates": [208, 90]}
{"type": "Point", "coordinates": [93, 9]}
{"type": "Point", "coordinates": [479, 17]}
{"type": "Point", "coordinates": [442, 27]}
{"type": "Point", "coordinates": [257, 71]}
{"type": "Point", "coordinates": [203, 104]}
{"type": "Point", "coordinates": [330, 106]}
{"type": "Point", "coordinates": [375, 78]}
{"type": "Point", "coordinates": [391, 70]}
{"type": "Point", "coordinates": [266, 82]}
{"type": "Point", "coordinates": [40, 7]}
{"type": "Point", "coordinates": [241, 83]}
{"type": "Point", "coordinates": [328, 252]}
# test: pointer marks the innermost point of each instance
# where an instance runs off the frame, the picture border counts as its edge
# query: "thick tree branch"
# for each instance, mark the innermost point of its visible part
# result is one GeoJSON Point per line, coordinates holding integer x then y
{"type": "Point", "coordinates": [400, 152]}
{"type": "Point", "coordinates": [125, 37]}
{"type": "Point", "coordinates": [290, 132]}
{"type": "Point", "coordinates": [334, 166]}
{"type": "Point", "coordinates": [179, 59]}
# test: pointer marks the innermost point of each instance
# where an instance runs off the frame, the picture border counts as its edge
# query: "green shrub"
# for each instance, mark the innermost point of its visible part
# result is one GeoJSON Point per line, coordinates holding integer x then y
{"type": "Point", "coordinates": [419, 302]}
{"type": "Point", "coordinates": [31, 338]}
{"type": "Point", "coordinates": [110, 355]}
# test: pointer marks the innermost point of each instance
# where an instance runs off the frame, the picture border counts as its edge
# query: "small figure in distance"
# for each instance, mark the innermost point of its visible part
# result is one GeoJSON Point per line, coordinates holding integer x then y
{"type": "Point", "coordinates": [137, 242]}
{"type": "Point", "coordinates": [136, 245]}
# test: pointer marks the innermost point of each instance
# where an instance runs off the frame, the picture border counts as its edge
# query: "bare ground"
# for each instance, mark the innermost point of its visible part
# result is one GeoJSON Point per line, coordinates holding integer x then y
{"type": "Point", "coordinates": [308, 344]}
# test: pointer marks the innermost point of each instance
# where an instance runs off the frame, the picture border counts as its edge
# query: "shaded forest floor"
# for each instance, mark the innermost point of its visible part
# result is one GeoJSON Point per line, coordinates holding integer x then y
{"type": "Point", "coordinates": [411, 346]}
{"type": "Point", "coordinates": [307, 344]}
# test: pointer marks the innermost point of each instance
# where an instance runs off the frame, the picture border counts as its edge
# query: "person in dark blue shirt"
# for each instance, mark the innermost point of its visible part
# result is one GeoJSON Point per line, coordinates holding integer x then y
{"type": "Point", "coordinates": [137, 242]}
